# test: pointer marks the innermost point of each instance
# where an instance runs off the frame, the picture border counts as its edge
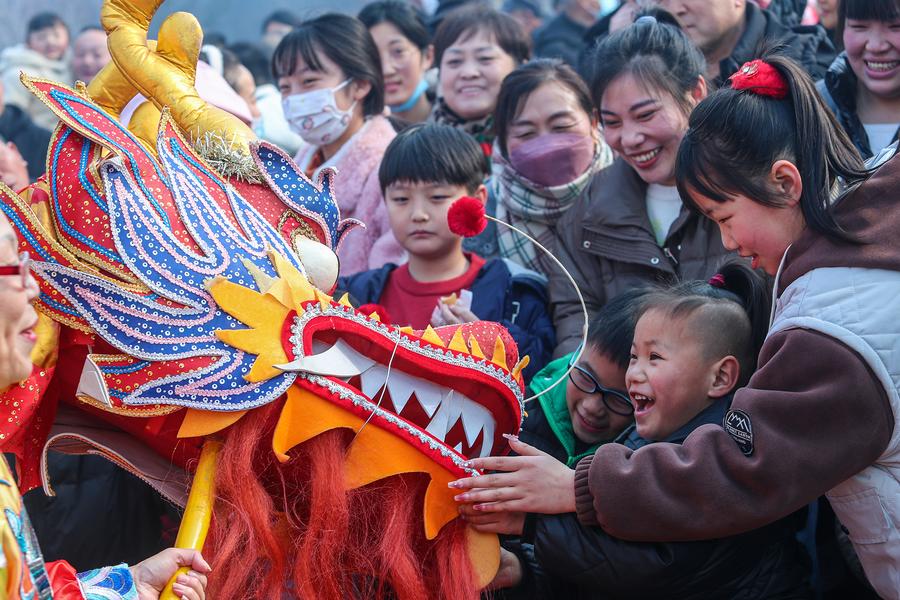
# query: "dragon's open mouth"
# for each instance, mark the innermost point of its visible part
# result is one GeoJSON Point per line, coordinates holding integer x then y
{"type": "Point", "coordinates": [424, 390]}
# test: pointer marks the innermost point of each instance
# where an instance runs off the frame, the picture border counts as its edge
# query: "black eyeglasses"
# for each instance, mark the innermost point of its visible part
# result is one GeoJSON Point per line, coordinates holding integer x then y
{"type": "Point", "coordinates": [616, 401]}
{"type": "Point", "coordinates": [23, 269]}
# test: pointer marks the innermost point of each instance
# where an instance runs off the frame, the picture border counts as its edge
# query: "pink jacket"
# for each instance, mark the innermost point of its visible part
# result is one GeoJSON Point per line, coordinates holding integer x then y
{"type": "Point", "coordinates": [358, 195]}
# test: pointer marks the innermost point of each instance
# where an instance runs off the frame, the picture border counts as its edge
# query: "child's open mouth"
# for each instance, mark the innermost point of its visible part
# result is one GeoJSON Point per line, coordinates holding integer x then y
{"type": "Point", "coordinates": [642, 404]}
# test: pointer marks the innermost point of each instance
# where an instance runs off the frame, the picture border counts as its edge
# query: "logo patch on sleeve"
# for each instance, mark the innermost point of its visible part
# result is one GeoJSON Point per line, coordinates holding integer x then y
{"type": "Point", "coordinates": [737, 425]}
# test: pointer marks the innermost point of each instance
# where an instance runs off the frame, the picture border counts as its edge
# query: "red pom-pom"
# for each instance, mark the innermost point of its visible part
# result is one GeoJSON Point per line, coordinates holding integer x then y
{"type": "Point", "coordinates": [759, 77]}
{"type": "Point", "coordinates": [466, 217]}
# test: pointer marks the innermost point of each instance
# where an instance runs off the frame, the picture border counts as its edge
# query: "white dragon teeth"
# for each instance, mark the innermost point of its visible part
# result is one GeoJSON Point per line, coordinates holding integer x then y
{"type": "Point", "coordinates": [443, 406]}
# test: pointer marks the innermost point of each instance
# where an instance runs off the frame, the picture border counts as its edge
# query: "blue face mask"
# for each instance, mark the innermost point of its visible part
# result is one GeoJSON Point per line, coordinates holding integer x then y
{"type": "Point", "coordinates": [417, 93]}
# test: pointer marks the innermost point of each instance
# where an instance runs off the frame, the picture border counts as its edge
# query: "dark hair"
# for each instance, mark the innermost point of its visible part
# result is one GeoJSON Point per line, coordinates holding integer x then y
{"type": "Point", "coordinates": [866, 10]}
{"type": "Point", "coordinates": [432, 152]}
{"type": "Point", "coordinates": [254, 58]}
{"type": "Point", "coordinates": [611, 330]}
{"type": "Point", "coordinates": [285, 17]}
{"type": "Point", "coordinates": [464, 22]}
{"type": "Point", "coordinates": [734, 137]}
{"type": "Point", "coordinates": [408, 19]}
{"type": "Point", "coordinates": [519, 85]}
{"type": "Point", "coordinates": [215, 38]}
{"type": "Point", "coordinates": [344, 40]}
{"type": "Point", "coordinates": [230, 65]}
{"type": "Point", "coordinates": [87, 28]}
{"type": "Point", "coordinates": [44, 20]}
{"type": "Point", "coordinates": [729, 318]}
{"type": "Point", "coordinates": [655, 51]}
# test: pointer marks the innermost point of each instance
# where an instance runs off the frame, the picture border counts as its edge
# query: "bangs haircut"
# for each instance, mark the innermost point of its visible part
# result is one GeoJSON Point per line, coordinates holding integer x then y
{"type": "Point", "coordinates": [467, 21]}
{"type": "Point", "coordinates": [409, 20]}
{"type": "Point", "coordinates": [433, 153]}
{"type": "Point", "coordinates": [346, 42]}
{"type": "Point", "coordinates": [735, 136]}
{"type": "Point", "coordinates": [611, 330]}
{"type": "Point", "coordinates": [518, 86]}
{"type": "Point", "coordinates": [656, 53]}
{"type": "Point", "coordinates": [45, 20]}
{"type": "Point", "coordinates": [869, 10]}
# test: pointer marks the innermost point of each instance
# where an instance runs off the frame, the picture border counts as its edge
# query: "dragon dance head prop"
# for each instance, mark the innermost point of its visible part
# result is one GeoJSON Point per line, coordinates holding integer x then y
{"type": "Point", "coordinates": [206, 309]}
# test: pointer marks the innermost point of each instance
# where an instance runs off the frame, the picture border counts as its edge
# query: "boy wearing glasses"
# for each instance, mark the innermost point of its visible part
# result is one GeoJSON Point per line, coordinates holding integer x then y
{"type": "Point", "coordinates": [592, 407]}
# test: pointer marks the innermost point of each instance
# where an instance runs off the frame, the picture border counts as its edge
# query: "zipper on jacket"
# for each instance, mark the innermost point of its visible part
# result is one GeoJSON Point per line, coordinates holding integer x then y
{"type": "Point", "coordinates": [669, 255]}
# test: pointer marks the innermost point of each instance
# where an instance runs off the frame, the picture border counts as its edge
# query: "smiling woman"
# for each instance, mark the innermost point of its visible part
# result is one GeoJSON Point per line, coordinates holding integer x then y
{"type": "Point", "coordinates": [475, 47]}
{"type": "Point", "coordinates": [548, 148]}
{"type": "Point", "coordinates": [629, 227]}
{"type": "Point", "coordinates": [862, 86]}
{"type": "Point", "coordinates": [400, 32]}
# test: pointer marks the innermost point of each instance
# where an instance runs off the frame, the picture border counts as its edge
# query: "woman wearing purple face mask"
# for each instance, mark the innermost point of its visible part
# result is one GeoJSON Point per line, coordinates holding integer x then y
{"type": "Point", "coordinates": [548, 147]}
{"type": "Point", "coordinates": [332, 90]}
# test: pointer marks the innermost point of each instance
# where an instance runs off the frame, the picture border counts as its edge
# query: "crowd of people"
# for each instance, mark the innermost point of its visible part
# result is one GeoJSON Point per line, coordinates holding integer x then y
{"type": "Point", "coordinates": [717, 179]}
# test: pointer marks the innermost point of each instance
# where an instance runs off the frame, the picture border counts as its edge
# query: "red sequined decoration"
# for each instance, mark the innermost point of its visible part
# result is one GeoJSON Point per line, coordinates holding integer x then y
{"type": "Point", "coordinates": [760, 78]}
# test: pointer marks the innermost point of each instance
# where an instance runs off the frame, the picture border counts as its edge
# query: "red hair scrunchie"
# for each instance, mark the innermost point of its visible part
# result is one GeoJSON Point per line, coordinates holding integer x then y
{"type": "Point", "coordinates": [759, 77]}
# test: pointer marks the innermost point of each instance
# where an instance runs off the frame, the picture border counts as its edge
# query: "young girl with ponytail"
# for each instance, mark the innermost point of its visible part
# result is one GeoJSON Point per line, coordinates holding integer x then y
{"type": "Point", "coordinates": [761, 159]}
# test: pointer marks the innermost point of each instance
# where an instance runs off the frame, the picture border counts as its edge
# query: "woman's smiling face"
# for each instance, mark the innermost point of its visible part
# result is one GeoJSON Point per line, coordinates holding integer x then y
{"type": "Point", "coordinates": [471, 72]}
{"type": "Point", "coordinates": [645, 126]}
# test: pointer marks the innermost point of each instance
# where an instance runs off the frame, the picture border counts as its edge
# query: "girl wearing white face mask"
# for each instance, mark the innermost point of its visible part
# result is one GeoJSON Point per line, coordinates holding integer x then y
{"type": "Point", "coordinates": [332, 89]}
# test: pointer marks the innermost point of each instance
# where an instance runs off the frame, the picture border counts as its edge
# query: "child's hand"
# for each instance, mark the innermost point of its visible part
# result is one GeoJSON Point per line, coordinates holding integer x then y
{"type": "Point", "coordinates": [453, 315]}
{"type": "Point", "coordinates": [152, 574]}
{"type": "Point", "coordinates": [533, 482]}
{"type": "Point", "coordinates": [510, 572]}
{"type": "Point", "coordinates": [510, 523]}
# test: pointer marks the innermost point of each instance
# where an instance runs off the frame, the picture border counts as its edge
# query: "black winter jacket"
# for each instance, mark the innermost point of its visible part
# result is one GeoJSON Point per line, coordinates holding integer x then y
{"type": "Point", "coordinates": [503, 292]}
{"type": "Point", "coordinates": [838, 89]}
{"type": "Point", "coordinates": [31, 140]}
{"type": "Point", "coordinates": [808, 45]}
{"type": "Point", "coordinates": [574, 561]}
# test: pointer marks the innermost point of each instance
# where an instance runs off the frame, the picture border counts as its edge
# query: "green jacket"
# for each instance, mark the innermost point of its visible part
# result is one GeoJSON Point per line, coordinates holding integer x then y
{"type": "Point", "coordinates": [548, 426]}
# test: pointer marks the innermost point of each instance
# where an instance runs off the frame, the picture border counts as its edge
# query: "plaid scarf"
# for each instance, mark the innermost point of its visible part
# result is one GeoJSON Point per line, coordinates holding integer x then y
{"type": "Point", "coordinates": [534, 208]}
{"type": "Point", "coordinates": [480, 129]}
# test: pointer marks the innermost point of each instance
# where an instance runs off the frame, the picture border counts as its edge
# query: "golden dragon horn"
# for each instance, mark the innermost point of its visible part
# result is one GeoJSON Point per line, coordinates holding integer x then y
{"type": "Point", "coordinates": [166, 75]}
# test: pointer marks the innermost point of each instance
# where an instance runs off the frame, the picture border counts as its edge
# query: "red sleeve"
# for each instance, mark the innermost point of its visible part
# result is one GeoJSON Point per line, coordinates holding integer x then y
{"type": "Point", "coordinates": [63, 581]}
{"type": "Point", "coordinates": [818, 416]}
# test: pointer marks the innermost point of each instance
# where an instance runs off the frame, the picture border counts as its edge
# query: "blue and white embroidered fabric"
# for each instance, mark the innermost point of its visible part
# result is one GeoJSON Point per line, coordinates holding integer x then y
{"type": "Point", "coordinates": [180, 318]}
{"type": "Point", "coordinates": [108, 583]}
{"type": "Point", "coordinates": [292, 187]}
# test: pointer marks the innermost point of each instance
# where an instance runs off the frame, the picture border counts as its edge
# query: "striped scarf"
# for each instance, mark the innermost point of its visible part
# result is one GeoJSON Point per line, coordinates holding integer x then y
{"type": "Point", "coordinates": [535, 209]}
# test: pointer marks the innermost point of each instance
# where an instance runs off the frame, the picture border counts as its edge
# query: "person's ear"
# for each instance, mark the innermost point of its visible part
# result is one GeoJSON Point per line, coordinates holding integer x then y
{"type": "Point", "coordinates": [787, 181]}
{"type": "Point", "coordinates": [700, 90]}
{"type": "Point", "coordinates": [359, 89]}
{"type": "Point", "coordinates": [428, 58]}
{"type": "Point", "coordinates": [481, 194]}
{"type": "Point", "coordinates": [725, 375]}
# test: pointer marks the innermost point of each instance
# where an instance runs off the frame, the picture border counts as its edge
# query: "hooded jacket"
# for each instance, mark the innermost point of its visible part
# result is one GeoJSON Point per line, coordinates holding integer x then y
{"type": "Point", "coordinates": [808, 45]}
{"type": "Point", "coordinates": [817, 412]}
{"type": "Point", "coordinates": [838, 89]}
{"type": "Point", "coordinates": [503, 292]}
{"type": "Point", "coordinates": [607, 243]}
{"type": "Point", "coordinates": [763, 563]}
{"type": "Point", "coordinates": [19, 58]}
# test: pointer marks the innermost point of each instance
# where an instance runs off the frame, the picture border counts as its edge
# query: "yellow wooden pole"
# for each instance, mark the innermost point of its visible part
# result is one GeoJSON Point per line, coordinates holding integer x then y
{"type": "Point", "coordinates": [198, 511]}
